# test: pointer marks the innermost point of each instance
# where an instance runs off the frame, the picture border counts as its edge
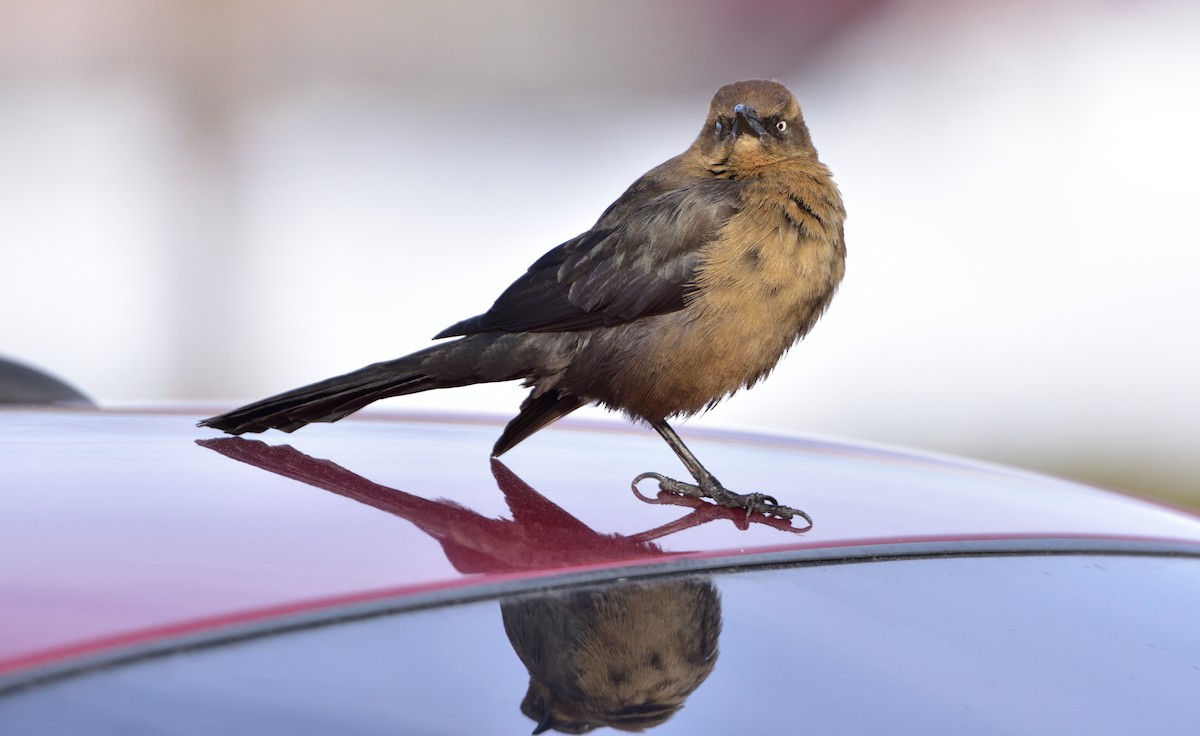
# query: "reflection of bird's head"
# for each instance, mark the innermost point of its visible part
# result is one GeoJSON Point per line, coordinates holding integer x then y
{"type": "Point", "coordinates": [625, 657]}
{"type": "Point", "coordinates": [752, 124]}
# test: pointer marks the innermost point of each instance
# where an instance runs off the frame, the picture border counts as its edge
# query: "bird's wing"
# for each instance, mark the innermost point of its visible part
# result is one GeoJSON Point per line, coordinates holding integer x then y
{"type": "Point", "coordinates": [628, 267]}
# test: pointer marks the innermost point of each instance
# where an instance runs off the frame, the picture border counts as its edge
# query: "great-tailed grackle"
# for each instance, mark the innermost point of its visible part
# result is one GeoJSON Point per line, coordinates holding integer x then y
{"type": "Point", "coordinates": [690, 286]}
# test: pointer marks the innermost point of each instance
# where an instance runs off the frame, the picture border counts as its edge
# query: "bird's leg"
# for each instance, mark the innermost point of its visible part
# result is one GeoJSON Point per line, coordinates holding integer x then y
{"type": "Point", "coordinates": [707, 485]}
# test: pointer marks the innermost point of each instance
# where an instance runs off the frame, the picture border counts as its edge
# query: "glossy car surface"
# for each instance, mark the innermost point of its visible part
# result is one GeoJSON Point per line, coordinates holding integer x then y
{"type": "Point", "coordinates": [382, 575]}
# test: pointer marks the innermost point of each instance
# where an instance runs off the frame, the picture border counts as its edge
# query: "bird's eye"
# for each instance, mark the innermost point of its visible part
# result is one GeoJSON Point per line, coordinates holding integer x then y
{"type": "Point", "coordinates": [718, 128]}
{"type": "Point", "coordinates": [781, 126]}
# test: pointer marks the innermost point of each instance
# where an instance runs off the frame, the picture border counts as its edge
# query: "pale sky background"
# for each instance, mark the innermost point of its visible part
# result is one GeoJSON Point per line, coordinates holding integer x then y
{"type": "Point", "coordinates": [218, 200]}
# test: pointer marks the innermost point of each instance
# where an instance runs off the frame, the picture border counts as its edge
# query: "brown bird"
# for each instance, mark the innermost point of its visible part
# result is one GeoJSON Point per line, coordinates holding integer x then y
{"type": "Point", "coordinates": [625, 656]}
{"type": "Point", "coordinates": [690, 286]}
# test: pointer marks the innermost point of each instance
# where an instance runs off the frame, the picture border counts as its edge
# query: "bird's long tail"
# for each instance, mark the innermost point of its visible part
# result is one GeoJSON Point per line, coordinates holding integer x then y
{"type": "Point", "coordinates": [441, 366]}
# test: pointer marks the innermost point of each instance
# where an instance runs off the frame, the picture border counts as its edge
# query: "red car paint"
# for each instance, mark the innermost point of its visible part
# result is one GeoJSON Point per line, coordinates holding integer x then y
{"type": "Point", "coordinates": [121, 528]}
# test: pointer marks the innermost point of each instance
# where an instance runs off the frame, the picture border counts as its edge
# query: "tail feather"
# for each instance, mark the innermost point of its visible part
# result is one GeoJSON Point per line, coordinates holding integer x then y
{"type": "Point", "coordinates": [536, 412]}
{"type": "Point", "coordinates": [482, 358]}
{"type": "Point", "coordinates": [326, 401]}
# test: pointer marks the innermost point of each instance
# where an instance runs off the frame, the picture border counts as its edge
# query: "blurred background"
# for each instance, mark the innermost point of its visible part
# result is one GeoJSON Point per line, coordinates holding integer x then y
{"type": "Point", "coordinates": [215, 200]}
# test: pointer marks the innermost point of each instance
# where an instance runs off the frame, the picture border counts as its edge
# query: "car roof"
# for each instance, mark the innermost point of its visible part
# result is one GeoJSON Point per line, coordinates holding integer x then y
{"type": "Point", "coordinates": [122, 528]}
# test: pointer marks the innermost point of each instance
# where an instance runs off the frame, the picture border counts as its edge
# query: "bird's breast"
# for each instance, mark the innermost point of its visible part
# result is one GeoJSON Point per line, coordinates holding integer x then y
{"type": "Point", "coordinates": [773, 270]}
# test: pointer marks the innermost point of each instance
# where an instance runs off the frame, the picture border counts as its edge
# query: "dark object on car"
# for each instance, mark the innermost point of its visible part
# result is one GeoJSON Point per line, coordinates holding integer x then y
{"type": "Point", "coordinates": [25, 385]}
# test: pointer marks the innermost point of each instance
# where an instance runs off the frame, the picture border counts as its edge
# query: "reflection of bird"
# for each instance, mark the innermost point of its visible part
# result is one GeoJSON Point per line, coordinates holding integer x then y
{"type": "Point", "coordinates": [624, 656]}
{"type": "Point", "coordinates": [690, 286]}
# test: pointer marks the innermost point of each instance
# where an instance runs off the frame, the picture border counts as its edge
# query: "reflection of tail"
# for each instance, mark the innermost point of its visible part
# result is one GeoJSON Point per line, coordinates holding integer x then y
{"type": "Point", "coordinates": [541, 535]}
{"type": "Point", "coordinates": [459, 363]}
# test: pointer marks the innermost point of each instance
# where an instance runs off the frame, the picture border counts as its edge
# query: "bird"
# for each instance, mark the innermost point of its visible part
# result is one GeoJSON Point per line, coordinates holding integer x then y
{"type": "Point", "coordinates": [690, 286]}
{"type": "Point", "coordinates": [625, 656]}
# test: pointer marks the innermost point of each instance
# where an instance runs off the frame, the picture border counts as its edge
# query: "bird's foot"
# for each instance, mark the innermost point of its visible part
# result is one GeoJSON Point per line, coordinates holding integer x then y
{"type": "Point", "coordinates": [753, 503]}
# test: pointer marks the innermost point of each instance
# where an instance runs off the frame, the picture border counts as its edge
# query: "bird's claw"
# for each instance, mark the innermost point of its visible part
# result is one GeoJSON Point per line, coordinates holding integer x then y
{"type": "Point", "coordinates": [753, 503]}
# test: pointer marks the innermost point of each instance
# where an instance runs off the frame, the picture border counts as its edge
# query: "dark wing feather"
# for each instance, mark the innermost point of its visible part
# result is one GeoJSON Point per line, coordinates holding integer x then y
{"type": "Point", "coordinates": [642, 265]}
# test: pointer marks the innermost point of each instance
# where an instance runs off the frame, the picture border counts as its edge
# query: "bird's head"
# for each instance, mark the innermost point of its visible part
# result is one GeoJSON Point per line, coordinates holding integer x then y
{"type": "Point", "coordinates": [752, 124]}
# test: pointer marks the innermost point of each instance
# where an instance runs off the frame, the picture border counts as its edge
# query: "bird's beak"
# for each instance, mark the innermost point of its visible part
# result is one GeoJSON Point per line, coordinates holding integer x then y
{"type": "Point", "coordinates": [745, 119]}
{"type": "Point", "coordinates": [546, 723]}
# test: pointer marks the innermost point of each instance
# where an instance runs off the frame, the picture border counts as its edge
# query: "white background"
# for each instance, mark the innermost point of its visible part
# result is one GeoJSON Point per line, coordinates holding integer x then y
{"type": "Point", "coordinates": [217, 200]}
